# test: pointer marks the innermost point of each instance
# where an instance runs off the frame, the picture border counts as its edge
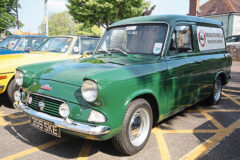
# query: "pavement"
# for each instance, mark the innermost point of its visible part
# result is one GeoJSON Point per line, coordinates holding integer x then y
{"type": "Point", "coordinates": [200, 132]}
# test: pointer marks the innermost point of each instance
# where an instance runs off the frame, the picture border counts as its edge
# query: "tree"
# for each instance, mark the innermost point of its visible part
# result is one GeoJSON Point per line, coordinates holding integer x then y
{"type": "Point", "coordinates": [7, 14]}
{"type": "Point", "coordinates": [59, 23]}
{"type": "Point", "coordinates": [105, 12]}
{"type": "Point", "coordinates": [63, 24]}
{"type": "Point", "coordinates": [88, 31]}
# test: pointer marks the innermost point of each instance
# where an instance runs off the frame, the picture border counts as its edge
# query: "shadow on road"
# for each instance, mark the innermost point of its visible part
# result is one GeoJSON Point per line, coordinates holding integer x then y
{"type": "Point", "coordinates": [5, 102]}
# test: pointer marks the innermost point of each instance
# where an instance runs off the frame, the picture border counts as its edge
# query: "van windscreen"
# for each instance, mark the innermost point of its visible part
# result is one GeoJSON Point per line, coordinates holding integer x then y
{"type": "Point", "coordinates": [135, 39]}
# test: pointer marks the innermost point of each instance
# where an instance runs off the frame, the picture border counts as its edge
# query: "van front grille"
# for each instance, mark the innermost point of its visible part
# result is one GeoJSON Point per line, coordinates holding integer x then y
{"type": "Point", "coordinates": [51, 105]}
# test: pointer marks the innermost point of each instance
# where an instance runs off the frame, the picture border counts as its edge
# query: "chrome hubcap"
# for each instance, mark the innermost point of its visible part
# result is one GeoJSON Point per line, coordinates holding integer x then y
{"type": "Point", "coordinates": [136, 125]}
{"type": "Point", "coordinates": [217, 90]}
{"type": "Point", "coordinates": [139, 127]}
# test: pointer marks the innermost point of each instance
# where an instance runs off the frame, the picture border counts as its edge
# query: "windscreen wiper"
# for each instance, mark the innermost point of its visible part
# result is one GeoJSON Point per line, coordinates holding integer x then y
{"type": "Point", "coordinates": [104, 51]}
{"type": "Point", "coordinates": [118, 50]}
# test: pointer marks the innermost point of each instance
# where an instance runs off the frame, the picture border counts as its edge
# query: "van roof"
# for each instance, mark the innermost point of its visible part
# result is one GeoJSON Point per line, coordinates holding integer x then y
{"type": "Point", "coordinates": [170, 19]}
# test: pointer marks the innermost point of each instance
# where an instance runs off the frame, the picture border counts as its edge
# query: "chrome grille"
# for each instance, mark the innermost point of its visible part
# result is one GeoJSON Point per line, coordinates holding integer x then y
{"type": "Point", "coordinates": [51, 104]}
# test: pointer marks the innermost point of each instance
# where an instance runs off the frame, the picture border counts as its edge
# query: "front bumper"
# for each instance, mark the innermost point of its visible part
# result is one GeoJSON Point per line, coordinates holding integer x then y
{"type": "Point", "coordinates": [94, 130]}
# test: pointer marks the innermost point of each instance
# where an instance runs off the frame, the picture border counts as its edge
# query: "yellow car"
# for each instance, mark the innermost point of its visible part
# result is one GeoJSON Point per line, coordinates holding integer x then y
{"type": "Point", "coordinates": [53, 49]}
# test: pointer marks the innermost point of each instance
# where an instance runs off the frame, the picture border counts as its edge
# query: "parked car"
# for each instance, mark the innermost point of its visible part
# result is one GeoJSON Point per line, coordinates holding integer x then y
{"type": "Point", "coordinates": [20, 43]}
{"type": "Point", "coordinates": [53, 49]}
{"type": "Point", "coordinates": [233, 40]}
{"type": "Point", "coordinates": [144, 70]}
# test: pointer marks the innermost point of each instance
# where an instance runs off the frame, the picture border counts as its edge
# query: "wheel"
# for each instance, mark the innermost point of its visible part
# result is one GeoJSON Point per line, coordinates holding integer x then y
{"type": "Point", "coordinates": [12, 87]}
{"type": "Point", "coordinates": [217, 90]}
{"type": "Point", "coordinates": [136, 129]}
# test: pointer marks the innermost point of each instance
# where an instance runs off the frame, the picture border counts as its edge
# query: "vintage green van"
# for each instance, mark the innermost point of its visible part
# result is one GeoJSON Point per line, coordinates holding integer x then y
{"type": "Point", "coordinates": [144, 70]}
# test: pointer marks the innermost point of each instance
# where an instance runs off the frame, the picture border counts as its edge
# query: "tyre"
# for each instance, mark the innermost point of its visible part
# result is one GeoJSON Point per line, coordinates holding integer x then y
{"type": "Point", "coordinates": [216, 94]}
{"type": "Point", "coordinates": [12, 87]}
{"type": "Point", "coordinates": [136, 129]}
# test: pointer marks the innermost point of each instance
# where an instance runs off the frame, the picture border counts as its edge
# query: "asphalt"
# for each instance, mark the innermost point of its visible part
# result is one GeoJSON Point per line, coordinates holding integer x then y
{"type": "Point", "coordinates": [200, 132]}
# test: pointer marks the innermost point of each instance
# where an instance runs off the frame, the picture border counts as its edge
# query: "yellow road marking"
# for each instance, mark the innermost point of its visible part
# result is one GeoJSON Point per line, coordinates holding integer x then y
{"type": "Point", "coordinates": [2, 114]}
{"type": "Point", "coordinates": [191, 131]}
{"type": "Point", "coordinates": [210, 143]}
{"type": "Point", "coordinates": [214, 110]}
{"type": "Point", "coordinates": [85, 151]}
{"type": "Point", "coordinates": [161, 144]}
{"type": "Point", "coordinates": [35, 149]}
{"type": "Point", "coordinates": [19, 123]}
{"type": "Point", "coordinates": [3, 122]}
{"type": "Point", "coordinates": [236, 97]}
{"type": "Point", "coordinates": [209, 117]}
{"type": "Point", "coordinates": [231, 98]}
{"type": "Point", "coordinates": [11, 116]}
{"type": "Point", "coordinates": [222, 110]}
{"type": "Point", "coordinates": [231, 90]}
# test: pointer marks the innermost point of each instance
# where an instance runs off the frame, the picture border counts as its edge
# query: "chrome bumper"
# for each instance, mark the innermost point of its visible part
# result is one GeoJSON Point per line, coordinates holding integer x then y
{"type": "Point", "coordinates": [67, 124]}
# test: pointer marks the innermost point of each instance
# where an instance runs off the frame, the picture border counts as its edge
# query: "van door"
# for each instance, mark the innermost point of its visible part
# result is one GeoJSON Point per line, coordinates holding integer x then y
{"type": "Point", "coordinates": [212, 50]}
{"type": "Point", "coordinates": [182, 68]}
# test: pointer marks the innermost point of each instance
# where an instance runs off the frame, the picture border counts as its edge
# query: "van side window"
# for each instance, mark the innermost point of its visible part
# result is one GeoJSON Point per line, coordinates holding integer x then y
{"type": "Point", "coordinates": [181, 40]}
{"type": "Point", "coordinates": [173, 45]}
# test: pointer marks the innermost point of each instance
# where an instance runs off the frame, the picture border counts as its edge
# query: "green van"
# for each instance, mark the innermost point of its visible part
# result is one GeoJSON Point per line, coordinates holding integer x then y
{"type": "Point", "coordinates": [144, 70]}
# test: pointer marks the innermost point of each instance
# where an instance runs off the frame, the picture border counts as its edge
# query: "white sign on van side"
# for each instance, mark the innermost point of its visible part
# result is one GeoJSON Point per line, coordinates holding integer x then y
{"type": "Point", "coordinates": [210, 38]}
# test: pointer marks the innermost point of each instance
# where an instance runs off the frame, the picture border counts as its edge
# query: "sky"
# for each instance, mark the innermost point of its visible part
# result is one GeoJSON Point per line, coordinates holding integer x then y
{"type": "Point", "coordinates": [31, 13]}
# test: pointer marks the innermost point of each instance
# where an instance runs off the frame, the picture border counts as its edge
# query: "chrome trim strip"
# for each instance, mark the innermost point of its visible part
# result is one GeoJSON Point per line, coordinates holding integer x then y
{"type": "Point", "coordinates": [37, 94]}
{"type": "Point", "coordinates": [71, 125]}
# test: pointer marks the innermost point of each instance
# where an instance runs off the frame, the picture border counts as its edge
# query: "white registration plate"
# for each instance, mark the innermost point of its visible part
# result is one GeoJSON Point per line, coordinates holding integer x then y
{"type": "Point", "coordinates": [45, 126]}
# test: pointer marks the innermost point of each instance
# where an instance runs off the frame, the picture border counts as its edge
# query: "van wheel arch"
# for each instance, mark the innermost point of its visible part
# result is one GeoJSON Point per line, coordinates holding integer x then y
{"type": "Point", "coordinates": [153, 103]}
{"type": "Point", "coordinates": [222, 75]}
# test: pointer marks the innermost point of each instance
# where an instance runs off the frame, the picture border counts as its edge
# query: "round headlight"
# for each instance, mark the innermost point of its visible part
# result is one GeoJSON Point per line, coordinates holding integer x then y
{"type": "Point", "coordinates": [19, 78]}
{"type": "Point", "coordinates": [89, 91]}
{"type": "Point", "coordinates": [64, 110]}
